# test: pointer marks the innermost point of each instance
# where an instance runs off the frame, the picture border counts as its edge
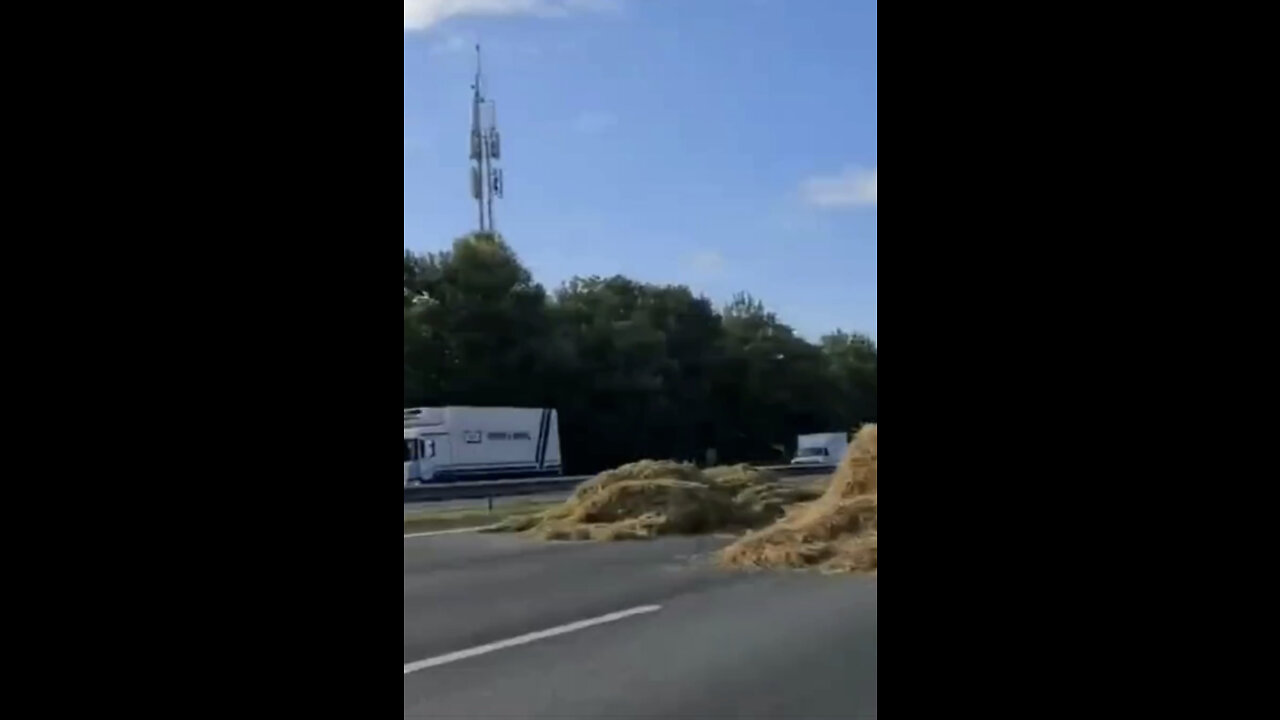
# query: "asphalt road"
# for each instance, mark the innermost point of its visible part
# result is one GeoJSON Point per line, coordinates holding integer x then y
{"type": "Point", "coordinates": [702, 642]}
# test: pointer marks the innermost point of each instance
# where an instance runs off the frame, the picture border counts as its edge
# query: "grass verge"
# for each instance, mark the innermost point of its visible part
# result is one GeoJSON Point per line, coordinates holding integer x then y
{"type": "Point", "coordinates": [435, 520]}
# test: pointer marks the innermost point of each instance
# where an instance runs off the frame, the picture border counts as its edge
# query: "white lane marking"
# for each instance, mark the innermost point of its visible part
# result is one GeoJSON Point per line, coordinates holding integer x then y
{"type": "Point", "coordinates": [527, 639]}
{"type": "Point", "coordinates": [457, 531]}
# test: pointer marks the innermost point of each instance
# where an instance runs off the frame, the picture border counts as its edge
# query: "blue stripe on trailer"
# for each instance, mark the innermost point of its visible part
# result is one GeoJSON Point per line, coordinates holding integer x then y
{"type": "Point", "coordinates": [544, 432]}
{"type": "Point", "coordinates": [448, 477]}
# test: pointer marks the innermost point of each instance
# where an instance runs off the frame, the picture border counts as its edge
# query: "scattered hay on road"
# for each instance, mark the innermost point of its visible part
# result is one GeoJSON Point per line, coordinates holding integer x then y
{"type": "Point", "coordinates": [837, 533]}
{"type": "Point", "coordinates": [655, 498]}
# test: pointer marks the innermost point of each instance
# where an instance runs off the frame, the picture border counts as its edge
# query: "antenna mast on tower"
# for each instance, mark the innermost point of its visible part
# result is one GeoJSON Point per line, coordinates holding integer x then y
{"type": "Point", "coordinates": [486, 149]}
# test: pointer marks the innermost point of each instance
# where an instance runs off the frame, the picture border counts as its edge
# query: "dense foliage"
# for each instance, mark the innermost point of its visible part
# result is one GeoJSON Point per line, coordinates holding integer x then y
{"type": "Point", "coordinates": [636, 371]}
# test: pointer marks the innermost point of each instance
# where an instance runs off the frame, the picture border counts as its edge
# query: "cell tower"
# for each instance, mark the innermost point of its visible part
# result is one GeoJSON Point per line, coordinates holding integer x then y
{"type": "Point", "coordinates": [486, 149]}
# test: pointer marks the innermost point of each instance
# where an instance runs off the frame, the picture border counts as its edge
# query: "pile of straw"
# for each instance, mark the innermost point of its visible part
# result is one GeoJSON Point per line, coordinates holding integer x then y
{"type": "Point", "coordinates": [654, 498]}
{"type": "Point", "coordinates": [836, 533]}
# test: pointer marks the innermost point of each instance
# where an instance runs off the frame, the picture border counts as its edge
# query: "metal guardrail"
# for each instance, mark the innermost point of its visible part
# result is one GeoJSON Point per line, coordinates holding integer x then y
{"type": "Point", "coordinates": [491, 489]}
{"type": "Point", "coordinates": [534, 486]}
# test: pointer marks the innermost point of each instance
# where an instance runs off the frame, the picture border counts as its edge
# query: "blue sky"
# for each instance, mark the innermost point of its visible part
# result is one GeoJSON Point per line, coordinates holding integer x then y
{"type": "Point", "coordinates": [726, 145]}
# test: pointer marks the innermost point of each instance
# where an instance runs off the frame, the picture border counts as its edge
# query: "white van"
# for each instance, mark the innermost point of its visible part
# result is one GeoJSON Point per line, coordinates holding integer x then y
{"type": "Point", "coordinates": [454, 444]}
{"type": "Point", "coordinates": [821, 449]}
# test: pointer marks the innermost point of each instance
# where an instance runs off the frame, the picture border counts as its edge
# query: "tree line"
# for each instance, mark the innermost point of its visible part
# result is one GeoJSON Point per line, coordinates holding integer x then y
{"type": "Point", "coordinates": [636, 370]}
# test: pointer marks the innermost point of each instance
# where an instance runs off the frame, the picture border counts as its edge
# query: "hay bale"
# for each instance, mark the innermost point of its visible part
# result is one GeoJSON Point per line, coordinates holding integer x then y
{"type": "Point", "coordinates": [836, 533]}
{"type": "Point", "coordinates": [653, 498]}
{"type": "Point", "coordinates": [643, 470]}
{"type": "Point", "coordinates": [737, 478]}
{"type": "Point", "coordinates": [636, 509]}
{"type": "Point", "coordinates": [688, 506]}
{"type": "Point", "coordinates": [769, 503]}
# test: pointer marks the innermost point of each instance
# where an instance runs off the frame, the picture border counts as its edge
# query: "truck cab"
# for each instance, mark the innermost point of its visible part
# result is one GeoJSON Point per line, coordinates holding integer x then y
{"type": "Point", "coordinates": [419, 458]}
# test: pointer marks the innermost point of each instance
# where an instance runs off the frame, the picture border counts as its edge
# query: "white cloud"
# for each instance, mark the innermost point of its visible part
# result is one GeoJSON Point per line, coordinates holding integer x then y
{"type": "Point", "coordinates": [592, 123]}
{"type": "Point", "coordinates": [854, 187]}
{"type": "Point", "coordinates": [423, 14]}
{"type": "Point", "coordinates": [452, 45]}
{"type": "Point", "coordinates": [706, 263]}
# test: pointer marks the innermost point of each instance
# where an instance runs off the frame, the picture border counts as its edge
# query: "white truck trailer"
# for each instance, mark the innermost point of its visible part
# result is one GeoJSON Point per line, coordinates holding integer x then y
{"type": "Point", "coordinates": [821, 449]}
{"type": "Point", "coordinates": [455, 444]}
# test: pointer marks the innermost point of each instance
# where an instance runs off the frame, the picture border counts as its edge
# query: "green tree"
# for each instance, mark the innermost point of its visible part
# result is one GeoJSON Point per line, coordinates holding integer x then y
{"type": "Point", "coordinates": [636, 370]}
{"type": "Point", "coordinates": [854, 363]}
{"type": "Point", "coordinates": [474, 322]}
